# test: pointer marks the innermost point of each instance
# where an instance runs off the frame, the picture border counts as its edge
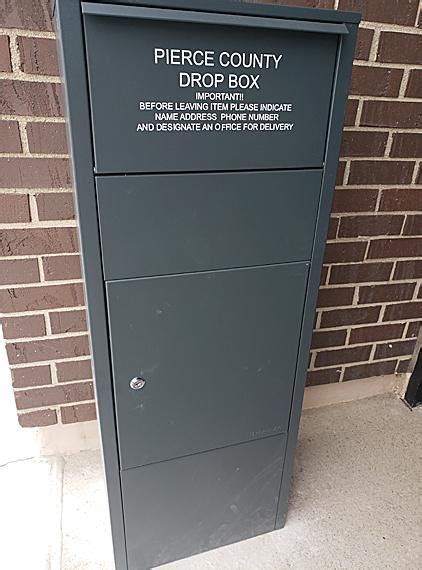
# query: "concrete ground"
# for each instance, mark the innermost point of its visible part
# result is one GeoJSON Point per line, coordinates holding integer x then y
{"type": "Point", "coordinates": [355, 502]}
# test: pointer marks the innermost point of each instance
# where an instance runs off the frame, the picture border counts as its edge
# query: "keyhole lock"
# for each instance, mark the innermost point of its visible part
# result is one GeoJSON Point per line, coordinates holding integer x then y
{"type": "Point", "coordinates": [137, 383]}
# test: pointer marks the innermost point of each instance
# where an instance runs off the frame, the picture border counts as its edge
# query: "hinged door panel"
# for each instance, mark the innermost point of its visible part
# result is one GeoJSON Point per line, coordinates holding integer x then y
{"type": "Point", "coordinates": [217, 352]}
{"type": "Point", "coordinates": [162, 224]}
{"type": "Point", "coordinates": [174, 509]}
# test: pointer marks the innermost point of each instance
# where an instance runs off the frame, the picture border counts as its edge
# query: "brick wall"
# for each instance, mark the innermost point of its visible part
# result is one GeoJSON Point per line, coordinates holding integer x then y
{"type": "Point", "coordinates": [370, 300]}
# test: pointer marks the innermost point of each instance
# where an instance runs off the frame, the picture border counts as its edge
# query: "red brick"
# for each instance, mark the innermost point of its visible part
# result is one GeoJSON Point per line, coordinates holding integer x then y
{"type": "Point", "coordinates": [351, 111]}
{"type": "Point", "coordinates": [373, 172]}
{"type": "Point", "coordinates": [324, 275]}
{"type": "Point", "coordinates": [406, 199]}
{"type": "Point", "coordinates": [14, 271]}
{"type": "Point", "coordinates": [397, 114]}
{"type": "Point", "coordinates": [354, 200]}
{"type": "Point", "coordinates": [34, 173]}
{"type": "Point", "coordinates": [78, 413]}
{"type": "Point", "coordinates": [328, 339]}
{"type": "Point", "coordinates": [55, 206]}
{"type": "Point", "coordinates": [47, 138]}
{"type": "Point", "coordinates": [27, 15]}
{"type": "Point", "coordinates": [39, 418]}
{"type": "Point", "coordinates": [414, 84]}
{"type": "Point", "coordinates": [339, 252]}
{"type": "Point", "coordinates": [60, 267]}
{"type": "Point", "coordinates": [384, 293]}
{"type": "Point", "coordinates": [358, 226]}
{"type": "Point", "coordinates": [369, 370]}
{"type": "Point", "coordinates": [38, 56]}
{"type": "Point", "coordinates": [413, 330]}
{"type": "Point", "coordinates": [74, 370]}
{"type": "Point", "coordinates": [40, 298]}
{"type": "Point", "coordinates": [31, 376]}
{"type": "Point", "coordinates": [375, 81]}
{"type": "Point", "coordinates": [335, 296]}
{"type": "Point", "coordinates": [404, 366]}
{"type": "Point", "coordinates": [31, 98]}
{"type": "Point", "coordinates": [24, 326]}
{"type": "Point", "coordinates": [68, 321]}
{"type": "Point", "coordinates": [47, 349]}
{"type": "Point", "coordinates": [332, 228]}
{"type": "Point", "coordinates": [53, 395]}
{"type": "Point", "coordinates": [407, 145]}
{"type": "Point", "coordinates": [14, 208]}
{"type": "Point", "coordinates": [398, 348]}
{"type": "Point", "coordinates": [413, 226]}
{"type": "Point", "coordinates": [35, 241]}
{"type": "Point", "coordinates": [391, 11]}
{"type": "Point", "coordinates": [5, 63]}
{"type": "Point", "coordinates": [325, 376]}
{"type": "Point", "coordinates": [340, 173]}
{"type": "Point", "coordinates": [403, 311]}
{"type": "Point", "coordinates": [363, 143]}
{"type": "Point", "coordinates": [399, 47]}
{"type": "Point", "coordinates": [343, 356]}
{"type": "Point", "coordinates": [363, 43]}
{"type": "Point", "coordinates": [360, 273]}
{"type": "Point", "coordinates": [411, 269]}
{"type": "Point", "coordinates": [353, 316]}
{"type": "Point", "coordinates": [10, 139]}
{"type": "Point", "coordinates": [401, 247]}
{"type": "Point", "coordinates": [360, 335]}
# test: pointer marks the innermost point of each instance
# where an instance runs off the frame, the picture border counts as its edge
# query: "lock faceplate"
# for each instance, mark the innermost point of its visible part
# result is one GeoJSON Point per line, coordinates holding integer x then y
{"type": "Point", "coordinates": [137, 383]}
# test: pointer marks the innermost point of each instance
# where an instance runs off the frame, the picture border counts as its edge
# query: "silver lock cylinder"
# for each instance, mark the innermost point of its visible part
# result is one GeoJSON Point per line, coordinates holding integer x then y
{"type": "Point", "coordinates": [137, 383]}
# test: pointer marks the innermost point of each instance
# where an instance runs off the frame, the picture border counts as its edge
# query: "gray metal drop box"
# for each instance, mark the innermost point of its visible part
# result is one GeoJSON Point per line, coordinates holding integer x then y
{"type": "Point", "coordinates": [205, 139]}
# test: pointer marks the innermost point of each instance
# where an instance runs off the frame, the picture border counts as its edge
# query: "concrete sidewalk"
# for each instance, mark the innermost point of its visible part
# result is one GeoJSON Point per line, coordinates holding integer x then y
{"type": "Point", "coordinates": [355, 502]}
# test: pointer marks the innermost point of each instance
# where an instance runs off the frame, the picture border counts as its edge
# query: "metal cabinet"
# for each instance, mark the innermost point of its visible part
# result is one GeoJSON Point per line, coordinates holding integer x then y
{"type": "Point", "coordinates": [205, 139]}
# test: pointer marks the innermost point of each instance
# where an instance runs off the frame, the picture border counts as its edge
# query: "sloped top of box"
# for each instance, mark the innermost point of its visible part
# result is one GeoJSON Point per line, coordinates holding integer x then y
{"type": "Point", "coordinates": [246, 8]}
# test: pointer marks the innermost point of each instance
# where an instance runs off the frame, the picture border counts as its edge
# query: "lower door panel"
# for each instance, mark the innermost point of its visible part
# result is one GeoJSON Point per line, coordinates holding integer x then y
{"type": "Point", "coordinates": [217, 351]}
{"type": "Point", "coordinates": [177, 508]}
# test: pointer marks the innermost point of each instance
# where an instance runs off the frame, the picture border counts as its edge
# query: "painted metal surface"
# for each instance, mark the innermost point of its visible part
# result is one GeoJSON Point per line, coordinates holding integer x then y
{"type": "Point", "coordinates": [120, 147]}
{"type": "Point", "coordinates": [178, 223]}
{"type": "Point", "coordinates": [217, 351]}
{"type": "Point", "coordinates": [202, 501]}
{"type": "Point", "coordinates": [161, 483]}
{"type": "Point", "coordinates": [100, 9]}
